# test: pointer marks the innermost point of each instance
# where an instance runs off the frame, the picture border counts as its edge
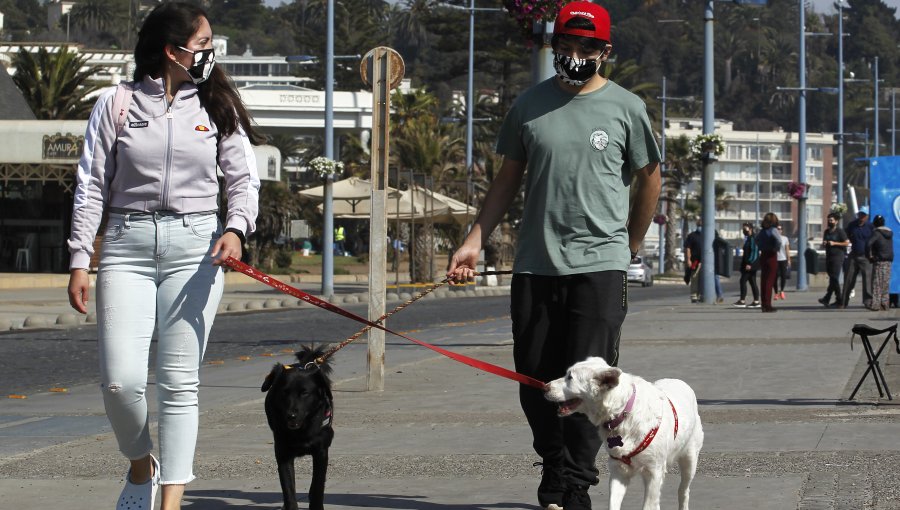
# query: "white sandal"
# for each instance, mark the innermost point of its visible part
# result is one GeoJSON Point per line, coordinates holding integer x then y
{"type": "Point", "coordinates": [140, 496]}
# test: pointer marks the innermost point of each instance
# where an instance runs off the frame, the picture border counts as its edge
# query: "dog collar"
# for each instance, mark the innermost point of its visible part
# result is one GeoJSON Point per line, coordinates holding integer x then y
{"type": "Point", "coordinates": [615, 422]}
{"type": "Point", "coordinates": [327, 420]}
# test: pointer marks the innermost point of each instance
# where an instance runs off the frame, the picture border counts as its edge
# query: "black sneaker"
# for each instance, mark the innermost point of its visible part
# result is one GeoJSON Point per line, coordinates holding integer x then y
{"type": "Point", "coordinates": [552, 489]}
{"type": "Point", "coordinates": [823, 301]}
{"type": "Point", "coordinates": [577, 498]}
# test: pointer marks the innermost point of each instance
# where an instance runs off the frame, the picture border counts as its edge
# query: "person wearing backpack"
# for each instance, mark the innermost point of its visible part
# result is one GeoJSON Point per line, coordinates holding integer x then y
{"type": "Point", "coordinates": [749, 266]}
{"type": "Point", "coordinates": [151, 153]}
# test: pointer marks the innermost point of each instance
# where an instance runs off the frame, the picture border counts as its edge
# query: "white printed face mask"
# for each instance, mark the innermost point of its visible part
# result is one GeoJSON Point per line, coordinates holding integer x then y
{"type": "Point", "coordinates": [204, 60]}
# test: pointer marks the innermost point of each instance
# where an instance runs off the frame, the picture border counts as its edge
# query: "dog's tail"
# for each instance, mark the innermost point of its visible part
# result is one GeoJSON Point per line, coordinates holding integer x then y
{"type": "Point", "coordinates": [309, 354]}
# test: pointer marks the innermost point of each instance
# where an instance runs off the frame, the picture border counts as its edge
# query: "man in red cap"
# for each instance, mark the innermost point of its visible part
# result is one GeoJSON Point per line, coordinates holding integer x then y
{"type": "Point", "coordinates": [584, 141]}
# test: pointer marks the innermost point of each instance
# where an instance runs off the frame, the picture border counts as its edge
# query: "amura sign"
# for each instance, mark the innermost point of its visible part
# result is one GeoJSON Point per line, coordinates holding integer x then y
{"type": "Point", "coordinates": [62, 146]}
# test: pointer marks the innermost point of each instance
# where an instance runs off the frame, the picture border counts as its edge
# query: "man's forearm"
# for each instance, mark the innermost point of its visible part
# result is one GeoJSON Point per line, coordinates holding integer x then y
{"type": "Point", "coordinates": [645, 199]}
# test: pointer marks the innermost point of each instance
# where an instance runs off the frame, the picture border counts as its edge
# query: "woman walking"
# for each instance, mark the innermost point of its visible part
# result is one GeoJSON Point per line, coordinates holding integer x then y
{"type": "Point", "coordinates": [880, 251]}
{"type": "Point", "coordinates": [151, 151]}
{"type": "Point", "coordinates": [784, 265]}
{"type": "Point", "coordinates": [769, 242]}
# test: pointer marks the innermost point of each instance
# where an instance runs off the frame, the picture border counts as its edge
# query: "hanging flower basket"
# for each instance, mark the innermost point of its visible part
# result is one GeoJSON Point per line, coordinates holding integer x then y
{"type": "Point", "coordinates": [797, 190]}
{"type": "Point", "coordinates": [839, 208]}
{"type": "Point", "coordinates": [527, 12]}
{"type": "Point", "coordinates": [707, 143]}
{"type": "Point", "coordinates": [660, 219]}
{"type": "Point", "coordinates": [324, 167]}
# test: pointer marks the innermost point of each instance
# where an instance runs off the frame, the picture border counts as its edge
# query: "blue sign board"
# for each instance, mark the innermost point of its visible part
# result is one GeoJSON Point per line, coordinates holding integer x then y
{"type": "Point", "coordinates": [885, 179]}
{"type": "Point", "coordinates": [750, 2]}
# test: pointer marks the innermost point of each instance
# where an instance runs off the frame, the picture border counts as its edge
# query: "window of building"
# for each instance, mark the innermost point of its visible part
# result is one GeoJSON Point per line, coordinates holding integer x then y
{"type": "Point", "coordinates": [781, 172]}
{"type": "Point", "coordinates": [814, 153]}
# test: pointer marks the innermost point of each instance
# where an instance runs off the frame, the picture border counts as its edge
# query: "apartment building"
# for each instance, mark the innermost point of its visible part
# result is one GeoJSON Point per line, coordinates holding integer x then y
{"type": "Point", "coordinates": [755, 171]}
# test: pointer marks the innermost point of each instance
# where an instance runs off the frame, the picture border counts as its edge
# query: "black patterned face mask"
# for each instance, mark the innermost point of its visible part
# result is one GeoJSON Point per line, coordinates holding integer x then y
{"type": "Point", "coordinates": [204, 60]}
{"type": "Point", "coordinates": [574, 71]}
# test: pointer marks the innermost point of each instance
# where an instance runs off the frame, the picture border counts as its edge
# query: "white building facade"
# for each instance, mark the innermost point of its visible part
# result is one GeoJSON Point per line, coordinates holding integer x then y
{"type": "Point", "coordinates": [755, 171]}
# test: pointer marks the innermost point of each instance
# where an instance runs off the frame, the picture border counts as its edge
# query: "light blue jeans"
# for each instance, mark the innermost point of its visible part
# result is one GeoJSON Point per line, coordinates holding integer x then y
{"type": "Point", "coordinates": [156, 272]}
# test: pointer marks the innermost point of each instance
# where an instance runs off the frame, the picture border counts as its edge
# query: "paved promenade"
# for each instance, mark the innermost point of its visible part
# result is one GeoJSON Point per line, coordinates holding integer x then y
{"type": "Point", "coordinates": [780, 433]}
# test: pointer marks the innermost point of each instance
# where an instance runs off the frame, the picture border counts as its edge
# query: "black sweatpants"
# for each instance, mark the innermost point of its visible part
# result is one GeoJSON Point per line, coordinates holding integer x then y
{"type": "Point", "coordinates": [558, 321]}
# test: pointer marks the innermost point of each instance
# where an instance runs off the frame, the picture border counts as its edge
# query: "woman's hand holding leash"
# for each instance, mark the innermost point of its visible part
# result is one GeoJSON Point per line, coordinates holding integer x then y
{"type": "Point", "coordinates": [229, 245]}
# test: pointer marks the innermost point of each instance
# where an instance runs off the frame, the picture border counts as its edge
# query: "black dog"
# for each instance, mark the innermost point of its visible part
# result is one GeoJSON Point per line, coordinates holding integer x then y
{"type": "Point", "coordinates": [298, 409]}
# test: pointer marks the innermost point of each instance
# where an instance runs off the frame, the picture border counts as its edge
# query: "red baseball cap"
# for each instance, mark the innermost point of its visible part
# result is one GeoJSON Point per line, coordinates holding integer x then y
{"type": "Point", "coordinates": [589, 11]}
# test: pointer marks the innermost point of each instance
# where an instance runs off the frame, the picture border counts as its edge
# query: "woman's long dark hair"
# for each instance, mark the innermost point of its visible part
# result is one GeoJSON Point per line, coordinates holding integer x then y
{"type": "Point", "coordinates": [174, 23]}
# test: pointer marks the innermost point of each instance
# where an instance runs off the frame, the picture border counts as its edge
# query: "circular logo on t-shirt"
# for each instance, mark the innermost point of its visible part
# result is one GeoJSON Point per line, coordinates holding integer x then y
{"type": "Point", "coordinates": [599, 140]}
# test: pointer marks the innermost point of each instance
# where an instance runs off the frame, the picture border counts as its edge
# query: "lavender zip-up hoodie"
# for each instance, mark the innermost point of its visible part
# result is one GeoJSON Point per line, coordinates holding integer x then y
{"type": "Point", "coordinates": [164, 158]}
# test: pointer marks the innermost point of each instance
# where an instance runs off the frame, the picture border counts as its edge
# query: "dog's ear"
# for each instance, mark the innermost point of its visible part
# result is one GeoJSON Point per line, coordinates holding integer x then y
{"type": "Point", "coordinates": [608, 378]}
{"type": "Point", "coordinates": [276, 371]}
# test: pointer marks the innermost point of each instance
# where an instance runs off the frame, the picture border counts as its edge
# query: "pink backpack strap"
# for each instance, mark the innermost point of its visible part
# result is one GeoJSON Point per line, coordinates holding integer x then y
{"type": "Point", "coordinates": [121, 103]}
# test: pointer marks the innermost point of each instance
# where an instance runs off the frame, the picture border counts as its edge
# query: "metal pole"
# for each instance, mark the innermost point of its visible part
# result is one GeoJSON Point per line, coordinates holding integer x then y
{"type": "Point", "coordinates": [412, 230]}
{"type": "Point", "coordinates": [876, 107]}
{"type": "Point", "coordinates": [757, 178]}
{"type": "Point", "coordinates": [662, 242]}
{"type": "Point", "coordinates": [801, 159]}
{"type": "Point", "coordinates": [328, 228]}
{"type": "Point", "coordinates": [840, 141]}
{"type": "Point", "coordinates": [542, 55]}
{"type": "Point", "coordinates": [470, 106]}
{"type": "Point", "coordinates": [868, 161]}
{"type": "Point", "coordinates": [707, 279]}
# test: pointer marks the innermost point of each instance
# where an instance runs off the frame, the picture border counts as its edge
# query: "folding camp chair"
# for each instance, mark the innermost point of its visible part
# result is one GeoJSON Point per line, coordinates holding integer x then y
{"type": "Point", "coordinates": [865, 331]}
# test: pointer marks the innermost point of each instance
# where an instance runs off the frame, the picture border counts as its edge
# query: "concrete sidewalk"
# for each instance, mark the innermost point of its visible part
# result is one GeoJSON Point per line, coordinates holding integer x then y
{"type": "Point", "coordinates": [443, 436]}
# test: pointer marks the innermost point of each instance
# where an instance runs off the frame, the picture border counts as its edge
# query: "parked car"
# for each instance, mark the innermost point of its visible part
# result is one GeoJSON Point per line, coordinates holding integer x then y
{"type": "Point", "coordinates": [640, 272]}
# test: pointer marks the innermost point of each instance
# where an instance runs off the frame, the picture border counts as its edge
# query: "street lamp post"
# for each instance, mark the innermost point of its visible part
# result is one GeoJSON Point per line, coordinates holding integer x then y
{"type": "Point", "coordinates": [663, 98]}
{"type": "Point", "coordinates": [876, 107]}
{"type": "Point", "coordinates": [757, 178]}
{"type": "Point", "coordinates": [470, 101]}
{"type": "Point", "coordinates": [707, 270]}
{"type": "Point", "coordinates": [801, 160]}
{"type": "Point", "coordinates": [327, 211]}
{"type": "Point", "coordinates": [802, 213]}
{"type": "Point", "coordinates": [840, 145]}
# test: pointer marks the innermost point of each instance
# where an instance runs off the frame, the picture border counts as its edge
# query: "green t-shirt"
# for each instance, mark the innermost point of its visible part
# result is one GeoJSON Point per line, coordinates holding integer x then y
{"type": "Point", "coordinates": [580, 152]}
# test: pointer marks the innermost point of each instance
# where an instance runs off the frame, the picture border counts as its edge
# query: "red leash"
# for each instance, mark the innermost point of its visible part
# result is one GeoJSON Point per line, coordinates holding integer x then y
{"type": "Point", "coordinates": [254, 273]}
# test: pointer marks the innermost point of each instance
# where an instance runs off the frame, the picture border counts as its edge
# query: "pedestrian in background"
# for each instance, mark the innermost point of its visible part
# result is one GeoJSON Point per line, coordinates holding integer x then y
{"type": "Point", "coordinates": [155, 176]}
{"type": "Point", "coordinates": [693, 252]}
{"type": "Point", "coordinates": [769, 242]}
{"type": "Point", "coordinates": [859, 232]}
{"type": "Point", "coordinates": [784, 265]}
{"type": "Point", "coordinates": [835, 243]}
{"type": "Point", "coordinates": [749, 266]}
{"type": "Point", "coordinates": [591, 188]}
{"type": "Point", "coordinates": [880, 251]}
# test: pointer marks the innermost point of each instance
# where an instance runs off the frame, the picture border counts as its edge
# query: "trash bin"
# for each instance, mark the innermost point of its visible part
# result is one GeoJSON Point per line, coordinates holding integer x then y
{"type": "Point", "coordinates": [724, 257]}
{"type": "Point", "coordinates": [812, 261]}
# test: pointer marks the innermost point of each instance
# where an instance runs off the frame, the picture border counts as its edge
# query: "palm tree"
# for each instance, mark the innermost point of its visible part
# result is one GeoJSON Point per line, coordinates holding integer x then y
{"type": "Point", "coordinates": [94, 15]}
{"type": "Point", "coordinates": [427, 146]}
{"type": "Point", "coordinates": [681, 170]}
{"type": "Point", "coordinates": [55, 85]}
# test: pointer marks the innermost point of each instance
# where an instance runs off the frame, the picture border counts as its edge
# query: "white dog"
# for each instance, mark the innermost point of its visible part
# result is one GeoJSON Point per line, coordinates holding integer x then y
{"type": "Point", "coordinates": [646, 427]}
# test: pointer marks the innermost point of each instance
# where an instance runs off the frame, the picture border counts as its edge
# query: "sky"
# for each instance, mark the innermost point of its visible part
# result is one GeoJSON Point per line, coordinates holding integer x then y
{"type": "Point", "coordinates": [827, 6]}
